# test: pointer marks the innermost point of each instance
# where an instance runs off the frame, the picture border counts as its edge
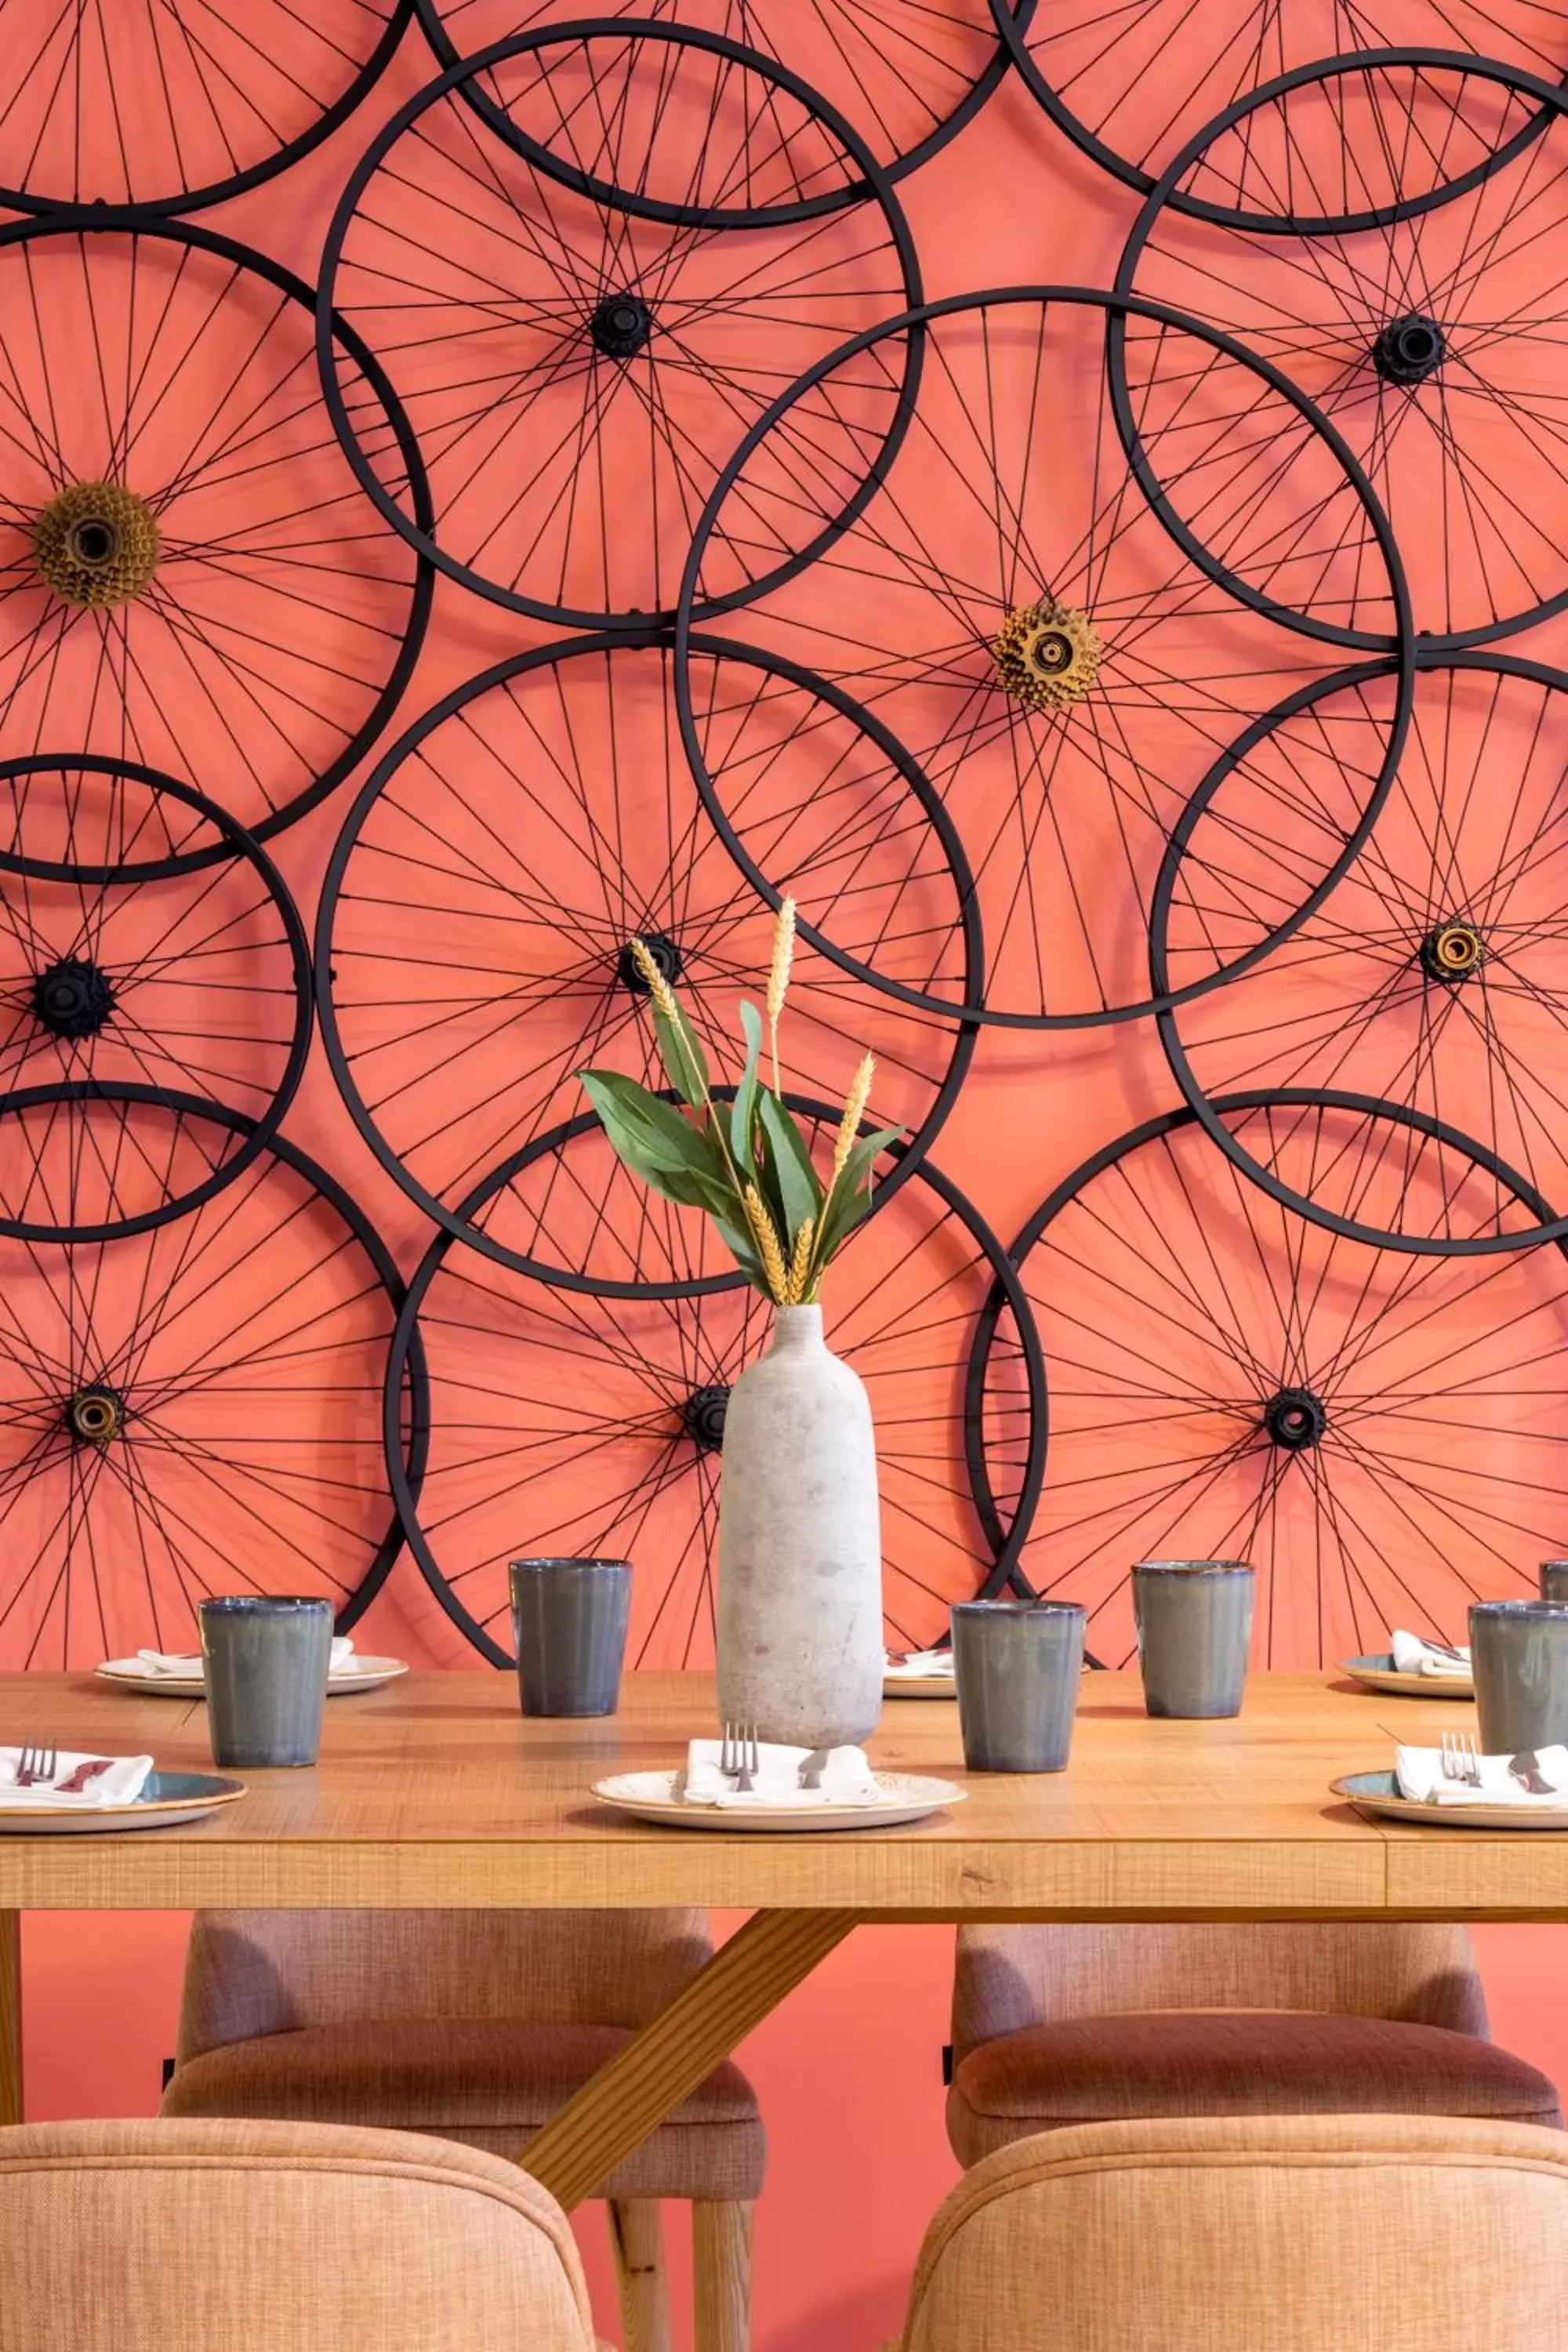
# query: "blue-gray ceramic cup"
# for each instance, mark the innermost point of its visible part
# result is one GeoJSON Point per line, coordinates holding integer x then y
{"type": "Point", "coordinates": [1518, 1659]}
{"type": "Point", "coordinates": [1016, 1665]}
{"type": "Point", "coordinates": [1194, 1630]}
{"type": "Point", "coordinates": [569, 1619]}
{"type": "Point", "coordinates": [1554, 1581]}
{"type": "Point", "coordinates": [265, 1663]}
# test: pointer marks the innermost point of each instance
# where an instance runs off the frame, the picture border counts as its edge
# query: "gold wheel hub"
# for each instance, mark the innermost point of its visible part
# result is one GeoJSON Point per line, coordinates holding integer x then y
{"type": "Point", "coordinates": [1047, 656]}
{"type": "Point", "coordinates": [96, 544]}
{"type": "Point", "coordinates": [1452, 951]}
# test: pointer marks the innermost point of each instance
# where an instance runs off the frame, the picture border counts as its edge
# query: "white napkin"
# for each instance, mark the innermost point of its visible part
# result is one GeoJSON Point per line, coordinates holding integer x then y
{"type": "Point", "coordinates": [169, 1662]}
{"type": "Point", "coordinates": [1419, 1772]}
{"type": "Point", "coordinates": [119, 1783]}
{"type": "Point", "coordinates": [919, 1666]}
{"type": "Point", "coordinates": [846, 1777]}
{"type": "Point", "coordinates": [1412, 1655]}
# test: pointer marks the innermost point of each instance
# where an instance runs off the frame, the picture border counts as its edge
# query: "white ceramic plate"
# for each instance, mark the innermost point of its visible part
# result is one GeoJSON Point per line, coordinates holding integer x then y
{"type": "Point", "coordinates": [919, 1686]}
{"type": "Point", "coordinates": [651, 1797]}
{"type": "Point", "coordinates": [1378, 1792]}
{"type": "Point", "coordinates": [128, 1674]}
{"type": "Point", "coordinates": [167, 1799]}
{"type": "Point", "coordinates": [1381, 1675]}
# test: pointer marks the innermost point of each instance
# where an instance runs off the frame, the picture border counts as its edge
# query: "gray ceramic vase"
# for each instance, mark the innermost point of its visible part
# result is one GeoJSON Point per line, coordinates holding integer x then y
{"type": "Point", "coordinates": [800, 1545]}
{"type": "Point", "coordinates": [1194, 1630]}
{"type": "Point", "coordinates": [569, 1619]}
{"type": "Point", "coordinates": [265, 1661]}
{"type": "Point", "coordinates": [1016, 1665]}
{"type": "Point", "coordinates": [1518, 1660]}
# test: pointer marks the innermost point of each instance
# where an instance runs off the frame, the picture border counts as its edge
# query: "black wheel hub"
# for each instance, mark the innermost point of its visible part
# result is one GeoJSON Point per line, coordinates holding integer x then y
{"type": "Point", "coordinates": [620, 325]}
{"type": "Point", "coordinates": [1295, 1419]}
{"type": "Point", "coordinates": [73, 999]}
{"type": "Point", "coordinates": [665, 956]}
{"type": "Point", "coordinates": [1452, 953]}
{"type": "Point", "coordinates": [95, 1416]}
{"type": "Point", "coordinates": [702, 1416]}
{"type": "Point", "coordinates": [1408, 349]}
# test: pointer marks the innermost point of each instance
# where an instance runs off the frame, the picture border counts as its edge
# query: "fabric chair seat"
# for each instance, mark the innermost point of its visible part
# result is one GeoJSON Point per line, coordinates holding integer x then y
{"type": "Point", "coordinates": [487, 2083]}
{"type": "Point", "coordinates": [1172, 2063]}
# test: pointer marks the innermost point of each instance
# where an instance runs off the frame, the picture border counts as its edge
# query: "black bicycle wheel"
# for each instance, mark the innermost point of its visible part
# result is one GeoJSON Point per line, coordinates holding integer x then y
{"type": "Point", "coordinates": [476, 922]}
{"type": "Point", "coordinates": [169, 105]}
{"type": "Point", "coordinates": [1061, 674]}
{"type": "Point", "coordinates": [190, 578]}
{"type": "Point", "coordinates": [1431, 977]}
{"type": "Point", "coordinates": [566, 1423]}
{"type": "Point", "coordinates": [198, 1409]}
{"type": "Point", "coordinates": [908, 74]}
{"type": "Point", "coordinates": [1132, 87]}
{"type": "Point", "coordinates": [196, 987]}
{"type": "Point", "coordinates": [578, 317]}
{"type": "Point", "coordinates": [1427, 328]}
{"type": "Point", "coordinates": [1380, 1434]}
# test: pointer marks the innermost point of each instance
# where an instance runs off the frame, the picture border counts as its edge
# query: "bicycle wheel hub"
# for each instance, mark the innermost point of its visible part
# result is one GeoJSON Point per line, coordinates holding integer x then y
{"type": "Point", "coordinates": [1407, 351]}
{"type": "Point", "coordinates": [1452, 951]}
{"type": "Point", "coordinates": [95, 1416]}
{"type": "Point", "coordinates": [73, 999]}
{"type": "Point", "coordinates": [1047, 656]}
{"type": "Point", "coordinates": [667, 961]}
{"type": "Point", "coordinates": [702, 1417]}
{"type": "Point", "coordinates": [96, 544]}
{"type": "Point", "coordinates": [620, 325]}
{"type": "Point", "coordinates": [1295, 1419]}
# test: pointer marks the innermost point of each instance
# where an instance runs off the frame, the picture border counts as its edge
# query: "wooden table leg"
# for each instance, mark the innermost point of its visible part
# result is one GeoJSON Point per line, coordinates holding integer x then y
{"type": "Point", "coordinates": [10, 2017]}
{"type": "Point", "coordinates": [747, 1979]}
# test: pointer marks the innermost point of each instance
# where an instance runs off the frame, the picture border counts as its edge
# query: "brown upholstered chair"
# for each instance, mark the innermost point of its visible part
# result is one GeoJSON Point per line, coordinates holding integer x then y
{"type": "Point", "coordinates": [477, 2026]}
{"type": "Point", "coordinates": [1253, 2233]}
{"type": "Point", "coordinates": [256, 2237]}
{"type": "Point", "coordinates": [1054, 2026]}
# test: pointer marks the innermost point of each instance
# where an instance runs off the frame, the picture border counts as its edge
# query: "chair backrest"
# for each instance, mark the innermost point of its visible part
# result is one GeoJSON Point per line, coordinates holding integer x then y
{"type": "Point", "coordinates": [265, 2237]}
{"type": "Point", "coordinates": [251, 1972]}
{"type": "Point", "coordinates": [1257, 2233]}
{"type": "Point", "coordinates": [1009, 1978]}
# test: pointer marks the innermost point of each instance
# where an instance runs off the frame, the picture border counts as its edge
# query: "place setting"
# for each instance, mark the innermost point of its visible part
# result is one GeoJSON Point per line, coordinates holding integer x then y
{"type": "Point", "coordinates": [159, 1674]}
{"type": "Point", "coordinates": [919, 1674]}
{"type": "Point", "coordinates": [569, 1628]}
{"type": "Point", "coordinates": [1413, 1667]}
{"type": "Point", "coordinates": [266, 1670]}
{"type": "Point", "coordinates": [1511, 1772]}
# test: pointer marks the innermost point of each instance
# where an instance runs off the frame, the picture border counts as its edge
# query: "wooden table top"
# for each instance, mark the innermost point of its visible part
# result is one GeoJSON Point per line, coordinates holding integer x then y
{"type": "Point", "coordinates": [435, 1793]}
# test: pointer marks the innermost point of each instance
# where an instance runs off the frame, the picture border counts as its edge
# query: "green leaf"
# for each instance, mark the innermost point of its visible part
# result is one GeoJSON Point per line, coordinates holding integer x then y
{"type": "Point", "coordinates": [656, 1141]}
{"type": "Point", "coordinates": [800, 1194]}
{"type": "Point", "coordinates": [682, 1056]}
{"type": "Point", "coordinates": [743, 1109]}
{"type": "Point", "coordinates": [853, 1193]}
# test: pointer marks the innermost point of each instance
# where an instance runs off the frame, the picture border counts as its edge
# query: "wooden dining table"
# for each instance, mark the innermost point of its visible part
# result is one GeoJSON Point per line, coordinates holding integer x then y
{"type": "Point", "coordinates": [435, 1793]}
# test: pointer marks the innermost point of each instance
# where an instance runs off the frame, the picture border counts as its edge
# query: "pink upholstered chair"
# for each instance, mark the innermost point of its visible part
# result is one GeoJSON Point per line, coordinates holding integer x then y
{"type": "Point", "coordinates": [1054, 2026]}
{"type": "Point", "coordinates": [1253, 2233]}
{"type": "Point", "coordinates": [477, 2026]}
{"type": "Point", "coordinates": [258, 2237]}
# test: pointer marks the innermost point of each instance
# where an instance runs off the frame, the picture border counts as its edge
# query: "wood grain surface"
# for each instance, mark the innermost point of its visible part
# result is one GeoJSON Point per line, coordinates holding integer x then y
{"type": "Point", "coordinates": [436, 1793]}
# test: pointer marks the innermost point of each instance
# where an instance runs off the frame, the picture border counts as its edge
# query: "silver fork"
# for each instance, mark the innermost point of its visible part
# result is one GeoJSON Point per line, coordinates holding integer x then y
{"type": "Point", "coordinates": [37, 1764]}
{"type": "Point", "coordinates": [1459, 1758]}
{"type": "Point", "coordinates": [739, 1757]}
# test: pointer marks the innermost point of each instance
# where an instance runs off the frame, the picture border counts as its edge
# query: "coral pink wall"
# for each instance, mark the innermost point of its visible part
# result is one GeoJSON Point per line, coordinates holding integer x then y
{"type": "Point", "coordinates": [849, 2071]}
